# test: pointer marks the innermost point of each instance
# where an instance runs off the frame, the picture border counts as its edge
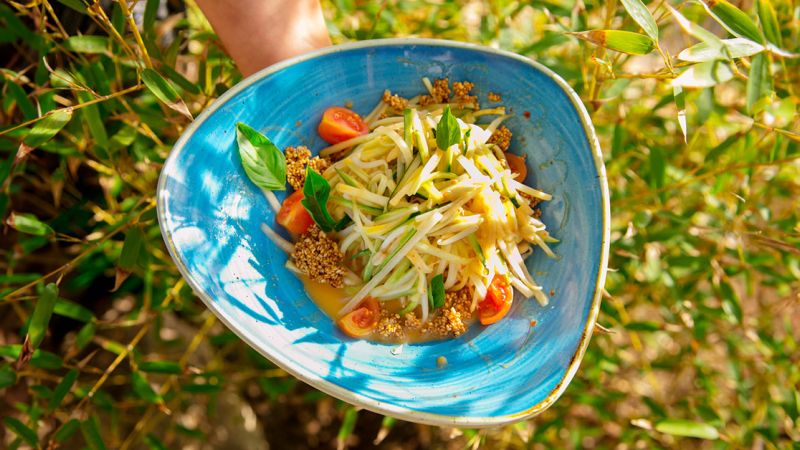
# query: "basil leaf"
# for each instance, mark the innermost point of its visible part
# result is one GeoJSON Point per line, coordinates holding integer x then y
{"type": "Point", "coordinates": [436, 291]}
{"type": "Point", "coordinates": [316, 192]}
{"type": "Point", "coordinates": [447, 131]}
{"type": "Point", "coordinates": [263, 163]}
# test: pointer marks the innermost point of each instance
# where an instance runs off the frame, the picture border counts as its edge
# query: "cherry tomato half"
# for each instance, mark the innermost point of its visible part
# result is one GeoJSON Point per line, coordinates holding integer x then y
{"type": "Point", "coordinates": [293, 215]}
{"type": "Point", "coordinates": [517, 166]}
{"type": "Point", "coordinates": [361, 321]}
{"type": "Point", "coordinates": [499, 297]}
{"type": "Point", "coordinates": [340, 124]}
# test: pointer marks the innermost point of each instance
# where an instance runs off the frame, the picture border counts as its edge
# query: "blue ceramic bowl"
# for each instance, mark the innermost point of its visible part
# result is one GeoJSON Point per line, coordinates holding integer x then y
{"type": "Point", "coordinates": [210, 216]}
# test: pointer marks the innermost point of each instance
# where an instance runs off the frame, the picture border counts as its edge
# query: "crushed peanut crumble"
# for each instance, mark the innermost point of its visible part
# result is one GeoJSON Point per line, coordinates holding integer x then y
{"type": "Point", "coordinates": [441, 90]}
{"type": "Point", "coordinates": [494, 97]}
{"type": "Point", "coordinates": [318, 256]}
{"type": "Point", "coordinates": [395, 102]}
{"type": "Point", "coordinates": [296, 160]}
{"type": "Point", "coordinates": [452, 318]}
{"type": "Point", "coordinates": [390, 326]}
{"type": "Point", "coordinates": [501, 137]}
{"type": "Point", "coordinates": [461, 90]}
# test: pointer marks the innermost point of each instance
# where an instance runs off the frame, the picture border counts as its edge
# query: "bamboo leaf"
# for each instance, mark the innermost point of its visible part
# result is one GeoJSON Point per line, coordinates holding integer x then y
{"type": "Point", "coordinates": [131, 247]}
{"type": "Point", "coordinates": [76, 5]}
{"type": "Point", "coordinates": [62, 389]}
{"type": "Point", "coordinates": [72, 310]}
{"type": "Point", "coordinates": [85, 335]}
{"type": "Point", "coordinates": [180, 80]}
{"type": "Point", "coordinates": [733, 19]}
{"type": "Point", "coordinates": [22, 430]}
{"type": "Point", "coordinates": [87, 44]}
{"type": "Point", "coordinates": [28, 224]}
{"type": "Point", "coordinates": [168, 367]}
{"type": "Point", "coordinates": [40, 318]}
{"type": "Point", "coordinates": [759, 81]}
{"type": "Point", "coordinates": [621, 41]}
{"type": "Point", "coordinates": [49, 126]}
{"type": "Point", "coordinates": [694, 30]}
{"type": "Point", "coordinates": [736, 47]}
{"type": "Point", "coordinates": [67, 430]}
{"type": "Point", "coordinates": [91, 434]}
{"type": "Point", "coordinates": [769, 21]}
{"type": "Point", "coordinates": [348, 425]}
{"type": "Point", "coordinates": [642, 16]}
{"type": "Point", "coordinates": [680, 103]}
{"type": "Point", "coordinates": [705, 74]}
{"type": "Point", "coordinates": [687, 428]}
{"type": "Point", "coordinates": [164, 92]}
{"type": "Point", "coordinates": [18, 95]}
{"type": "Point", "coordinates": [142, 389]}
{"type": "Point", "coordinates": [8, 376]}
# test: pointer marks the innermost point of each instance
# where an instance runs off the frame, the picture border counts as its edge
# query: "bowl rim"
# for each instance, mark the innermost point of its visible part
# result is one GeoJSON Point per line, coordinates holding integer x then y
{"type": "Point", "coordinates": [345, 394]}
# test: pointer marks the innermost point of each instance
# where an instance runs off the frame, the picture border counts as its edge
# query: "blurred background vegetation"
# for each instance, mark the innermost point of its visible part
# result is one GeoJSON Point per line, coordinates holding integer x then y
{"type": "Point", "coordinates": [102, 345]}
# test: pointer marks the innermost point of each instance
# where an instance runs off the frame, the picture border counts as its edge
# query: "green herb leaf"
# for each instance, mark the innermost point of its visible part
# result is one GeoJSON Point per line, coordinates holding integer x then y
{"type": "Point", "coordinates": [49, 126]}
{"type": "Point", "coordinates": [41, 315]}
{"type": "Point", "coordinates": [769, 21]}
{"type": "Point", "coordinates": [687, 428]}
{"type": "Point", "coordinates": [29, 224]}
{"type": "Point", "coordinates": [263, 162]}
{"type": "Point", "coordinates": [736, 48]}
{"type": "Point", "coordinates": [733, 19]}
{"type": "Point", "coordinates": [164, 92]}
{"type": "Point", "coordinates": [642, 16]}
{"type": "Point", "coordinates": [621, 41]}
{"type": "Point", "coordinates": [759, 81]}
{"type": "Point", "coordinates": [316, 192]}
{"type": "Point", "coordinates": [447, 130]}
{"type": "Point", "coordinates": [705, 74]}
{"type": "Point", "coordinates": [87, 44]}
{"type": "Point", "coordinates": [436, 291]}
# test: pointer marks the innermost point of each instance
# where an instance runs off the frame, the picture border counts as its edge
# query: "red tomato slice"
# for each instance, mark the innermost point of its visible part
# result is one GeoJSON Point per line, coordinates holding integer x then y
{"type": "Point", "coordinates": [340, 124]}
{"type": "Point", "coordinates": [517, 166]}
{"type": "Point", "coordinates": [293, 215]}
{"type": "Point", "coordinates": [499, 297]}
{"type": "Point", "coordinates": [361, 321]}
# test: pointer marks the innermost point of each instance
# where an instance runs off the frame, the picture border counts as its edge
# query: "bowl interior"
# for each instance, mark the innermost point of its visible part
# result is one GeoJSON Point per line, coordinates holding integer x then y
{"type": "Point", "coordinates": [211, 216]}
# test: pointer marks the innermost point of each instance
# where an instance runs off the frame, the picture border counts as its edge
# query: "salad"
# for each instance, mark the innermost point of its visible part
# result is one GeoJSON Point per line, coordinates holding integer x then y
{"type": "Point", "coordinates": [417, 213]}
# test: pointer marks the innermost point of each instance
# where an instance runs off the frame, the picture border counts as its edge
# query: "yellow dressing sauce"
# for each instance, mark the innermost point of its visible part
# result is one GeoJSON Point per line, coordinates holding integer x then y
{"type": "Point", "coordinates": [327, 297]}
{"type": "Point", "coordinates": [331, 300]}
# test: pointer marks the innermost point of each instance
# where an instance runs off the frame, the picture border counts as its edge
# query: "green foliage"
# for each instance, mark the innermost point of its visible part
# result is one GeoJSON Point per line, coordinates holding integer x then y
{"type": "Point", "coordinates": [701, 151]}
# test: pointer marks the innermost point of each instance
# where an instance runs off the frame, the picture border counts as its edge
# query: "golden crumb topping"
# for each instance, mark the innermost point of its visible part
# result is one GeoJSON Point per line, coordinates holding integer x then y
{"type": "Point", "coordinates": [441, 90]}
{"type": "Point", "coordinates": [390, 326]}
{"type": "Point", "coordinates": [501, 137]}
{"type": "Point", "coordinates": [461, 91]}
{"type": "Point", "coordinates": [452, 319]}
{"type": "Point", "coordinates": [297, 158]}
{"type": "Point", "coordinates": [494, 97]}
{"type": "Point", "coordinates": [318, 256]}
{"type": "Point", "coordinates": [395, 102]}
